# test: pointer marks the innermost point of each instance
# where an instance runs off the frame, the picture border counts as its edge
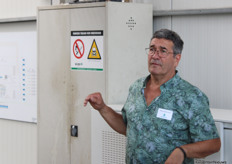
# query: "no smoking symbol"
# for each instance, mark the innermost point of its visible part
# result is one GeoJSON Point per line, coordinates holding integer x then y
{"type": "Point", "coordinates": [78, 48]}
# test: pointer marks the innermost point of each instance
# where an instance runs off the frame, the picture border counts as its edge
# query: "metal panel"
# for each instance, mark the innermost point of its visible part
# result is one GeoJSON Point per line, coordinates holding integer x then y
{"type": "Point", "coordinates": [84, 83]}
{"type": "Point", "coordinates": [162, 22]}
{"type": "Point", "coordinates": [53, 87]}
{"type": "Point", "coordinates": [206, 56]}
{"type": "Point", "coordinates": [107, 145]}
{"type": "Point", "coordinates": [228, 145]}
{"type": "Point", "coordinates": [162, 5]}
{"type": "Point", "coordinates": [129, 33]}
{"type": "Point", "coordinates": [157, 4]}
{"type": "Point", "coordinates": [200, 4]}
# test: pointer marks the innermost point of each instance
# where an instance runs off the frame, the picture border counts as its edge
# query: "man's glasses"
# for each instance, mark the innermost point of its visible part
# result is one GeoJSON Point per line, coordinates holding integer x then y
{"type": "Point", "coordinates": [161, 52]}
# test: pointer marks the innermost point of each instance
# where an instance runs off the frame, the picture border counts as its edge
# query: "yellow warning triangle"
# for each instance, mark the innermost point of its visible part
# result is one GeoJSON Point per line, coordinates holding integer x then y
{"type": "Point", "coordinates": [94, 52]}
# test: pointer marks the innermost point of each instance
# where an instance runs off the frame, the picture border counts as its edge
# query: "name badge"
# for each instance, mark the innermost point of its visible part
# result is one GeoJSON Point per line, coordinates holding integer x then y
{"type": "Point", "coordinates": [164, 114]}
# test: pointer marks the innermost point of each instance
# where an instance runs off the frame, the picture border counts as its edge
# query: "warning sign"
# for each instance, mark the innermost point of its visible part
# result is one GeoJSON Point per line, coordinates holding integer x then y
{"type": "Point", "coordinates": [87, 50]}
{"type": "Point", "coordinates": [78, 48]}
{"type": "Point", "coordinates": [94, 52]}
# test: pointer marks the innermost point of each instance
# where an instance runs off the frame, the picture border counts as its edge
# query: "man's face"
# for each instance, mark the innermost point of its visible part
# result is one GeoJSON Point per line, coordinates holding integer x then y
{"type": "Point", "coordinates": [162, 65]}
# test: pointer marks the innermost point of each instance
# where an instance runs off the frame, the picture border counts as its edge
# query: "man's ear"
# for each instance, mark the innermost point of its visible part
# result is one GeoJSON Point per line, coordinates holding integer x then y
{"type": "Point", "coordinates": [177, 58]}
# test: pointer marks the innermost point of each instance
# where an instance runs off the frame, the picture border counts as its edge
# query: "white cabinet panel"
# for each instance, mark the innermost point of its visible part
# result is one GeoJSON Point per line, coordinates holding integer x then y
{"type": "Point", "coordinates": [127, 29]}
{"type": "Point", "coordinates": [228, 145]}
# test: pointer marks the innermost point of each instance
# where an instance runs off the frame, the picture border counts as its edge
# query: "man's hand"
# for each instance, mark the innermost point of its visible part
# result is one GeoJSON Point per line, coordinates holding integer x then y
{"type": "Point", "coordinates": [114, 119]}
{"type": "Point", "coordinates": [96, 100]}
{"type": "Point", "coordinates": [176, 157]}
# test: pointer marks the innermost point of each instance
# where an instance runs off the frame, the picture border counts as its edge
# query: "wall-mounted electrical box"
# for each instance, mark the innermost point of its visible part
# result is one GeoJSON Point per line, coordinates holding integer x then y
{"type": "Point", "coordinates": [85, 48]}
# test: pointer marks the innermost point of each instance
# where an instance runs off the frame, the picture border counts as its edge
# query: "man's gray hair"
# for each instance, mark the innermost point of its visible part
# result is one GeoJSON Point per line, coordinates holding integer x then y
{"type": "Point", "coordinates": [172, 36]}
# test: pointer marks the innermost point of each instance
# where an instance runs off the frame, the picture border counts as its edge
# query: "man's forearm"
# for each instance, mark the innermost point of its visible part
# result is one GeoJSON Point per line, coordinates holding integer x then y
{"type": "Point", "coordinates": [202, 149]}
{"type": "Point", "coordinates": [195, 150]}
{"type": "Point", "coordinates": [114, 119]}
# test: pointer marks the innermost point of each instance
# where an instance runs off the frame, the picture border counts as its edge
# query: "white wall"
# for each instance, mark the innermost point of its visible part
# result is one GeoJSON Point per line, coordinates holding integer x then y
{"type": "Point", "coordinates": [18, 9]}
{"type": "Point", "coordinates": [18, 142]}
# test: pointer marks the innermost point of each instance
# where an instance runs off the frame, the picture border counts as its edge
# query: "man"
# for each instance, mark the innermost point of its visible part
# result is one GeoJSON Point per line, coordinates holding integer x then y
{"type": "Point", "coordinates": [166, 119]}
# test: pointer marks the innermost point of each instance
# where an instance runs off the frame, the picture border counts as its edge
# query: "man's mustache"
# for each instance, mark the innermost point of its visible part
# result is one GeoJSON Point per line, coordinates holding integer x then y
{"type": "Point", "coordinates": [155, 61]}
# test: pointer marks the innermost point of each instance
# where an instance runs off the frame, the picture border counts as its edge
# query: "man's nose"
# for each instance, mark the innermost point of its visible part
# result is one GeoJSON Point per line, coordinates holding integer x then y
{"type": "Point", "coordinates": [156, 54]}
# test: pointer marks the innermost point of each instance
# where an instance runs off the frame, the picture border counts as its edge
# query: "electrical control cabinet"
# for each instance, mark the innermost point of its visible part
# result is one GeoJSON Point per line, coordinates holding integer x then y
{"type": "Point", "coordinates": [85, 48]}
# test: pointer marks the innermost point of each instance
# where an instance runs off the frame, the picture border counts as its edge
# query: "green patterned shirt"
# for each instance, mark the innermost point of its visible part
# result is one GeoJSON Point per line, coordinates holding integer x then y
{"type": "Point", "coordinates": [180, 115]}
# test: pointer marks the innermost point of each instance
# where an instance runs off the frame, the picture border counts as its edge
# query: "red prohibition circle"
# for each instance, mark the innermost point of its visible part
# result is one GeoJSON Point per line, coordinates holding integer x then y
{"type": "Point", "coordinates": [77, 49]}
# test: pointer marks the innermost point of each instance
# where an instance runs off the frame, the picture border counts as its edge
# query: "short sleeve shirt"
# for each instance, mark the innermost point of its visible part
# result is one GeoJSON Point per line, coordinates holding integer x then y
{"type": "Point", "coordinates": [179, 116]}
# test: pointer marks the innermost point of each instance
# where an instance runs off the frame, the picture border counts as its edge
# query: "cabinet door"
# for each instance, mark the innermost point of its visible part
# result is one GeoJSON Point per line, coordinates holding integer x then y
{"type": "Point", "coordinates": [53, 87]}
{"type": "Point", "coordinates": [228, 145]}
{"type": "Point", "coordinates": [84, 82]}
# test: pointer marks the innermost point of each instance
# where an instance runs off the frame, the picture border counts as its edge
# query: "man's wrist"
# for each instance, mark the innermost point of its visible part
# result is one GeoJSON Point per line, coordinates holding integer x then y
{"type": "Point", "coordinates": [103, 109]}
{"type": "Point", "coordinates": [183, 151]}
